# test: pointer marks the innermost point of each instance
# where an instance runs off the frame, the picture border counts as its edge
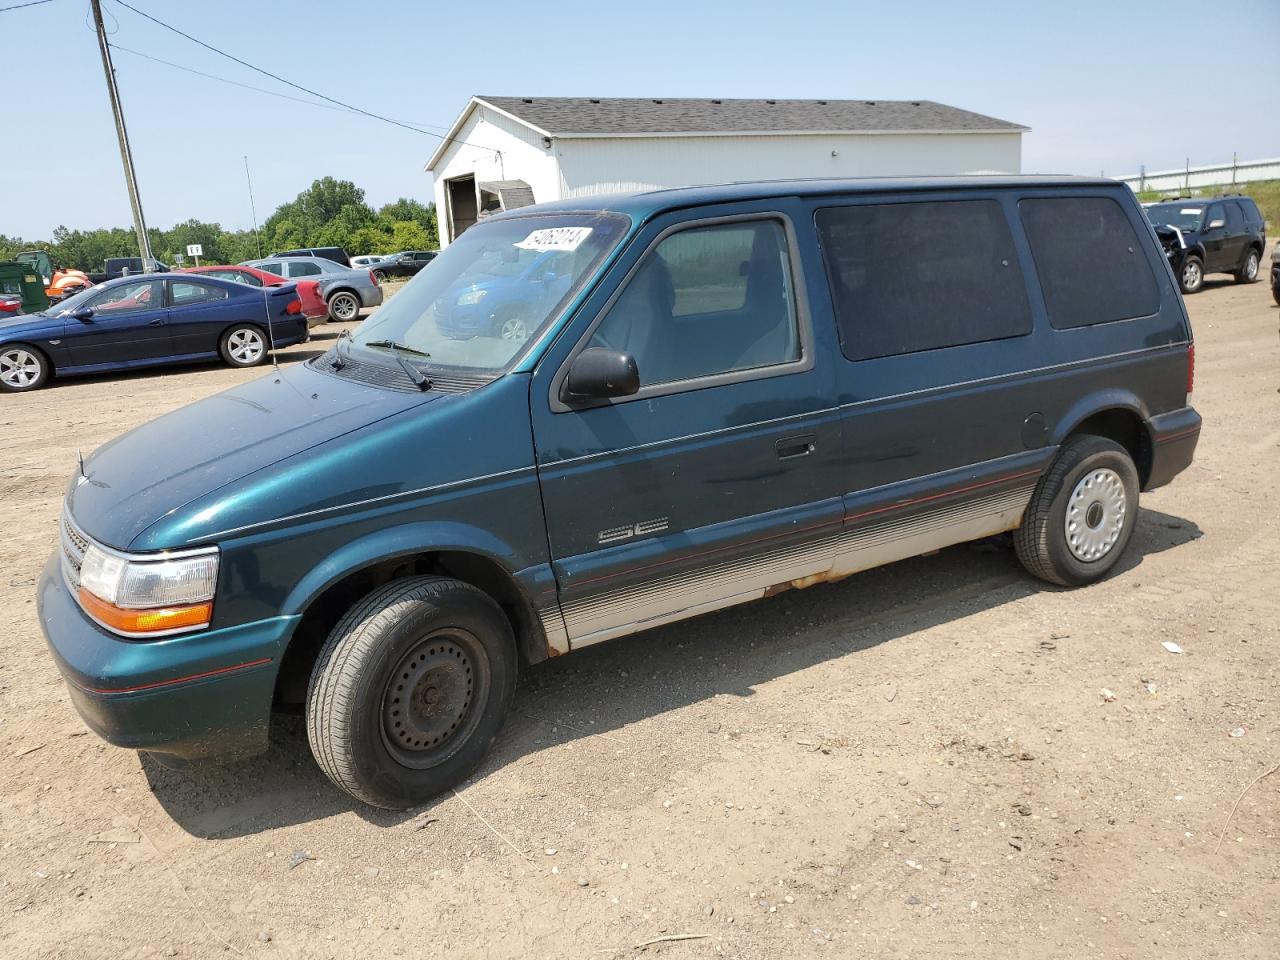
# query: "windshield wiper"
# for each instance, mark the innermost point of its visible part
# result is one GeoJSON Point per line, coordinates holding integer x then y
{"type": "Point", "coordinates": [397, 347]}
{"type": "Point", "coordinates": [420, 379]}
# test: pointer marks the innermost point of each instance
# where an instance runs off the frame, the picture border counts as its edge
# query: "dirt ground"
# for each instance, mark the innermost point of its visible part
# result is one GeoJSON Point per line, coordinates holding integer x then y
{"type": "Point", "coordinates": [917, 762]}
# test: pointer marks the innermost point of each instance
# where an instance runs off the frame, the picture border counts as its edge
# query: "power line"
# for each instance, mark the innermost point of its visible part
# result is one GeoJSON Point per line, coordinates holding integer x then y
{"type": "Point", "coordinates": [297, 86]}
{"type": "Point", "coordinates": [20, 6]}
{"type": "Point", "coordinates": [234, 83]}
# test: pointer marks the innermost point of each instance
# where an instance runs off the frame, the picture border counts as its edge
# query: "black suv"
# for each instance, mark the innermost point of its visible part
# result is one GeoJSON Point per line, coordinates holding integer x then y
{"type": "Point", "coordinates": [1210, 235]}
{"type": "Point", "coordinates": [406, 263]}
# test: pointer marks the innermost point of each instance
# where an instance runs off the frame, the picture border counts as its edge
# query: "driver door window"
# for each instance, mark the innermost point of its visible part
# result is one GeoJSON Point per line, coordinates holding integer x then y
{"type": "Point", "coordinates": [707, 301]}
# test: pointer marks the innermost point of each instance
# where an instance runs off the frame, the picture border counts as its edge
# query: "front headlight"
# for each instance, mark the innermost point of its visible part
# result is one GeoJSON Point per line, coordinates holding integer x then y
{"type": "Point", "coordinates": [138, 597]}
{"type": "Point", "coordinates": [471, 297]}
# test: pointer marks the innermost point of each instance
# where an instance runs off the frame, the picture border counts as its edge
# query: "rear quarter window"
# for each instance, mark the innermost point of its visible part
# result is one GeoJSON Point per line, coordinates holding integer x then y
{"type": "Point", "coordinates": [922, 275]}
{"type": "Point", "coordinates": [1092, 266]}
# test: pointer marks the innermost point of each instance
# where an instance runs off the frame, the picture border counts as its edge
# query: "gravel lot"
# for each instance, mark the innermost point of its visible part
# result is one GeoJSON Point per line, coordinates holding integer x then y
{"type": "Point", "coordinates": [917, 762]}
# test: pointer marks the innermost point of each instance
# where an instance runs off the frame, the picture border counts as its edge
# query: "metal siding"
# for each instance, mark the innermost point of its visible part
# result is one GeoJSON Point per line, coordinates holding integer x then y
{"type": "Point", "coordinates": [591, 166]}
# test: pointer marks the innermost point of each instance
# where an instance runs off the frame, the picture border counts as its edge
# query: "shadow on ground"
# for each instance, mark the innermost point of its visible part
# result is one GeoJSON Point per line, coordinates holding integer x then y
{"type": "Point", "coordinates": [729, 652]}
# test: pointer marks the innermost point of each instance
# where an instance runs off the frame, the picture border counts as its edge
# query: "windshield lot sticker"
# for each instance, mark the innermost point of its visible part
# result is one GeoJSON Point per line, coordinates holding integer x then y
{"type": "Point", "coordinates": [556, 238]}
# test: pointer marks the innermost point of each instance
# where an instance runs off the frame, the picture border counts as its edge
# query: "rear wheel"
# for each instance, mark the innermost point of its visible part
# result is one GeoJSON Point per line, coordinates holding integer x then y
{"type": "Point", "coordinates": [410, 690]}
{"type": "Point", "coordinates": [344, 307]}
{"type": "Point", "coordinates": [1191, 276]}
{"type": "Point", "coordinates": [379, 277]}
{"type": "Point", "coordinates": [244, 345]}
{"type": "Point", "coordinates": [22, 368]}
{"type": "Point", "coordinates": [1082, 514]}
{"type": "Point", "coordinates": [1248, 271]}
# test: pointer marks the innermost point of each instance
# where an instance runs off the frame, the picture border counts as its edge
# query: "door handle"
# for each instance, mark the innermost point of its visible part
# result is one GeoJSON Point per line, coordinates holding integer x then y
{"type": "Point", "coordinates": [792, 448]}
{"type": "Point", "coordinates": [155, 323]}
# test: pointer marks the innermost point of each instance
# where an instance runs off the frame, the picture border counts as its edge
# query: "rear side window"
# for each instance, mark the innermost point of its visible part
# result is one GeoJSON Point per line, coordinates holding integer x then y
{"type": "Point", "coordinates": [1091, 264]}
{"type": "Point", "coordinates": [1251, 213]}
{"type": "Point", "coordinates": [184, 293]}
{"type": "Point", "coordinates": [907, 277]}
{"type": "Point", "coordinates": [304, 269]}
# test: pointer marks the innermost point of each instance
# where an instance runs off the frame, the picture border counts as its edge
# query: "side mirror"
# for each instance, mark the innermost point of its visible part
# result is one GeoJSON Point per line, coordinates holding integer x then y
{"type": "Point", "coordinates": [1216, 224]}
{"type": "Point", "coordinates": [598, 374]}
{"type": "Point", "coordinates": [83, 314]}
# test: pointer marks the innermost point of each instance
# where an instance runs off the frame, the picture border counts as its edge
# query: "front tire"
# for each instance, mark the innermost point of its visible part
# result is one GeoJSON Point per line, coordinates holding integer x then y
{"type": "Point", "coordinates": [344, 307]}
{"type": "Point", "coordinates": [410, 690]}
{"type": "Point", "coordinates": [243, 345]}
{"type": "Point", "coordinates": [379, 277]}
{"type": "Point", "coordinates": [1248, 271]}
{"type": "Point", "coordinates": [1191, 276]}
{"type": "Point", "coordinates": [22, 368]}
{"type": "Point", "coordinates": [1082, 514]}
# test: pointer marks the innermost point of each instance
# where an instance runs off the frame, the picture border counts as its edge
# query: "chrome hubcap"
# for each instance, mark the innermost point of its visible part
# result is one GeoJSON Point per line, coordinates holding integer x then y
{"type": "Point", "coordinates": [1191, 275]}
{"type": "Point", "coordinates": [513, 329]}
{"type": "Point", "coordinates": [1251, 268]}
{"type": "Point", "coordinates": [246, 346]}
{"type": "Point", "coordinates": [1096, 512]}
{"type": "Point", "coordinates": [19, 368]}
{"type": "Point", "coordinates": [345, 307]}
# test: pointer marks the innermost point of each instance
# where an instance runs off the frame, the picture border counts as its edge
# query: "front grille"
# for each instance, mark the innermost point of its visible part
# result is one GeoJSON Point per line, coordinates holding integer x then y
{"type": "Point", "coordinates": [74, 544]}
{"type": "Point", "coordinates": [393, 378]}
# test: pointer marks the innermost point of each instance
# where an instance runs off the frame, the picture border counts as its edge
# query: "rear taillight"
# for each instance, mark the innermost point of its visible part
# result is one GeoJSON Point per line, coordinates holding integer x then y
{"type": "Point", "coordinates": [372, 278]}
{"type": "Point", "coordinates": [1191, 370]}
{"type": "Point", "coordinates": [295, 306]}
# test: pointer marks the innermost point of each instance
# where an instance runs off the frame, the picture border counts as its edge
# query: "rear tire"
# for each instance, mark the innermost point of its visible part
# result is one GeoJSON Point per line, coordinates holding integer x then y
{"type": "Point", "coordinates": [344, 307]}
{"type": "Point", "coordinates": [22, 368]}
{"type": "Point", "coordinates": [1191, 275]}
{"type": "Point", "coordinates": [1248, 271]}
{"type": "Point", "coordinates": [410, 690]}
{"type": "Point", "coordinates": [244, 345]}
{"type": "Point", "coordinates": [1082, 514]}
{"type": "Point", "coordinates": [379, 277]}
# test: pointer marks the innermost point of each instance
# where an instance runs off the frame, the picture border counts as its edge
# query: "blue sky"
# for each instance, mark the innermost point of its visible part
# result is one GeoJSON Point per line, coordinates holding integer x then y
{"type": "Point", "coordinates": [1104, 86]}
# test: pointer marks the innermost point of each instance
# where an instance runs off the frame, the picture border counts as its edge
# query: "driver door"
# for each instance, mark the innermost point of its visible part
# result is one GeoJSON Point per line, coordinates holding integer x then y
{"type": "Point", "coordinates": [719, 480]}
{"type": "Point", "coordinates": [128, 321]}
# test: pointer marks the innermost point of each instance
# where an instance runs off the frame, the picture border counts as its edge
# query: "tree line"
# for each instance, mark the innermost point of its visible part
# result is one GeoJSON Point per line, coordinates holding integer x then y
{"type": "Point", "coordinates": [329, 213]}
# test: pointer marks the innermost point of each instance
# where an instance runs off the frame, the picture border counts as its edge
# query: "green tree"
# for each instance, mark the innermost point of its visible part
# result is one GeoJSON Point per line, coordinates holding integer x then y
{"type": "Point", "coordinates": [411, 210]}
{"type": "Point", "coordinates": [408, 235]}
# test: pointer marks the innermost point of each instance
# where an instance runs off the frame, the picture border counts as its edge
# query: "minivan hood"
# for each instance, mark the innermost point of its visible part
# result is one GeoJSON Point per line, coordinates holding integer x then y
{"type": "Point", "coordinates": [151, 471]}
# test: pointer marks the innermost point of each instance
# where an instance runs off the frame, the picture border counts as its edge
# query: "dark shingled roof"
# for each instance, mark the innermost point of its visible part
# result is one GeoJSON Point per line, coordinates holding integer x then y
{"type": "Point", "coordinates": [565, 116]}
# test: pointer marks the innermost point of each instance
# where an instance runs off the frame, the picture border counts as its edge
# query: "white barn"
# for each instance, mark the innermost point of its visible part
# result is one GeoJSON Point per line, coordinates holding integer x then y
{"type": "Point", "coordinates": [505, 152]}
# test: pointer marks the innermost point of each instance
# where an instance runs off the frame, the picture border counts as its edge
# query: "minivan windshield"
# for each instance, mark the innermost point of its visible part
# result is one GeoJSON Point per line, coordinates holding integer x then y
{"type": "Point", "coordinates": [1181, 215]}
{"type": "Point", "coordinates": [492, 290]}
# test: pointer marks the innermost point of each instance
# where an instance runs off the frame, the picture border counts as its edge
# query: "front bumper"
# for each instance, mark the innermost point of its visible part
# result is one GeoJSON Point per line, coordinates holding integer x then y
{"type": "Point", "coordinates": [191, 696]}
{"type": "Point", "coordinates": [1174, 437]}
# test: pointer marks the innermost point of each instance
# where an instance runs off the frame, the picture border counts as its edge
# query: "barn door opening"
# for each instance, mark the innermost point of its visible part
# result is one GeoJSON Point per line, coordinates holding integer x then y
{"type": "Point", "coordinates": [461, 193]}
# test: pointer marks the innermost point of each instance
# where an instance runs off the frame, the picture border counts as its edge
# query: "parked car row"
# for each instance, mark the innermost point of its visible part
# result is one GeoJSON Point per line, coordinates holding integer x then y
{"type": "Point", "coordinates": [150, 320]}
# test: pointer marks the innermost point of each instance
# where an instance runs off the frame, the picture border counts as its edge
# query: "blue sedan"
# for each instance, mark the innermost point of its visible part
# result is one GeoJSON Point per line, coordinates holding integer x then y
{"type": "Point", "coordinates": [145, 321]}
{"type": "Point", "coordinates": [501, 294]}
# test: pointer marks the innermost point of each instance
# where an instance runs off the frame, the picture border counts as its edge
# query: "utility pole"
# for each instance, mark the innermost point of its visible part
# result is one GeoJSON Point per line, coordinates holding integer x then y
{"type": "Point", "coordinates": [126, 156]}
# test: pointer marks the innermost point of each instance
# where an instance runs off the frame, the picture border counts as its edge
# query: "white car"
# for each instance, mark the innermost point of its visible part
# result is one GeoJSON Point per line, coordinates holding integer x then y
{"type": "Point", "coordinates": [366, 262]}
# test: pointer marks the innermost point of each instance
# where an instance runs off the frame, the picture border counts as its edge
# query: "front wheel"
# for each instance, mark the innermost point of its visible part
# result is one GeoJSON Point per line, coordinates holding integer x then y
{"type": "Point", "coordinates": [1082, 514]}
{"type": "Point", "coordinates": [410, 690]}
{"type": "Point", "coordinates": [244, 345]}
{"type": "Point", "coordinates": [22, 368]}
{"type": "Point", "coordinates": [343, 307]}
{"type": "Point", "coordinates": [1191, 276]}
{"type": "Point", "coordinates": [1248, 271]}
{"type": "Point", "coordinates": [379, 277]}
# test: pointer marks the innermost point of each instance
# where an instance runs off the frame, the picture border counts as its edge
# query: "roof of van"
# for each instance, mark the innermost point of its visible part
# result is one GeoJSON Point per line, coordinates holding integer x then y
{"type": "Point", "coordinates": [647, 203]}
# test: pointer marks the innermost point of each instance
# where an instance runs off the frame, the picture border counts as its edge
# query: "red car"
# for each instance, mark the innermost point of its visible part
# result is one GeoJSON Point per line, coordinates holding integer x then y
{"type": "Point", "coordinates": [313, 306]}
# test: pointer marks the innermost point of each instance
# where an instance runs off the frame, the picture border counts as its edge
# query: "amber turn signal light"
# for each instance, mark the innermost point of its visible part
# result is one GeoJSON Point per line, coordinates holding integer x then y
{"type": "Point", "coordinates": [155, 620]}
